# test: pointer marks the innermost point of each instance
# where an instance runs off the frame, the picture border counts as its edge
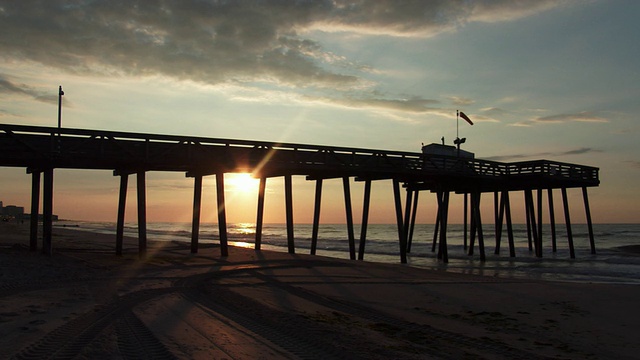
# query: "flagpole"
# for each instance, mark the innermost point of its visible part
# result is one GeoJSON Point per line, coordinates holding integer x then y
{"type": "Point", "coordinates": [458, 130]}
{"type": "Point", "coordinates": [457, 124]}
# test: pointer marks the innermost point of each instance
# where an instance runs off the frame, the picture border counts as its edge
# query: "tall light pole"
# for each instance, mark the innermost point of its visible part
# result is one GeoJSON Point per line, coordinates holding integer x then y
{"type": "Point", "coordinates": [60, 93]}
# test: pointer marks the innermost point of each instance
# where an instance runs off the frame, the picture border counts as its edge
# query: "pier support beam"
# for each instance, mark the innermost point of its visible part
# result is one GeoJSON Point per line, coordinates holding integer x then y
{"type": "Point", "coordinates": [408, 205]}
{"type": "Point", "coordinates": [401, 234]}
{"type": "Point", "coordinates": [142, 213]}
{"type": "Point", "coordinates": [476, 225]}
{"type": "Point", "coordinates": [531, 221]}
{"type": "Point", "coordinates": [35, 210]}
{"type": "Point", "coordinates": [539, 233]}
{"type": "Point", "coordinates": [349, 215]}
{"type": "Point", "coordinates": [365, 218]}
{"type": "Point", "coordinates": [316, 217]}
{"type": "Point", "coordinates": [465, 220]}
{"type": "Point", "coordinates": [500, 206]}
{"type": "Point", "coordinates": [222, 215]}
{"type": "Point", "coordinates": [122, 203]}
{"type": "Point", "coordinates": [585, 196]}
{"type": "Point", "coordinates": [552, 219]}
{"type": "Point", "coordinates": [47, 212]}
{"type": "Point", "coordinates": [414, 211]}
{"type": "Point", "coordinates": [507, 210]}
{"type": "Point", "coordinates": [567, 219]}
{"type": "Point", "coordinates": [437, 226]}
{"type": "Point", "coordinates": [197, 206]}
{"type": "Point", "coordinates": [288, 195]}
{"type": "Point", "coordinates": [260, 212]}
{"type": "Point", "coordinates": [443, 214]}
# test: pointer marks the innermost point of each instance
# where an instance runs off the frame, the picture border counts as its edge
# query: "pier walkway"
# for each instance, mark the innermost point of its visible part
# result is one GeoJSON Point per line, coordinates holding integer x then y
{"type": "Point", "coordinates": [42, 149]}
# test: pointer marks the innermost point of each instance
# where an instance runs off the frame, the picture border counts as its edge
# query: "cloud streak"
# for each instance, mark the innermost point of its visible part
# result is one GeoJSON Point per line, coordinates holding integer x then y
{"type": "Point", "coordinates": [577, 151]}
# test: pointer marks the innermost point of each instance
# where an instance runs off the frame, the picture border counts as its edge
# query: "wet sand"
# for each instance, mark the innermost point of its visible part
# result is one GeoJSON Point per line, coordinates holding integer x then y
{"type": "Point", "coordinates": [87, 303]}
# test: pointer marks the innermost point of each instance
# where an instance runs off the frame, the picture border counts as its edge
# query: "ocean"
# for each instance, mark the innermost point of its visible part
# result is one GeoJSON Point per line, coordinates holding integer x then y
{"type": "Point", "coordinates": [611, 263]}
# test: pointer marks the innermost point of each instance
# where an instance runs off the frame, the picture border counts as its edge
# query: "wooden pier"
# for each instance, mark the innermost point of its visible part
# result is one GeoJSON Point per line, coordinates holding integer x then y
{"type": "Point", "coordinates": [42, 149]}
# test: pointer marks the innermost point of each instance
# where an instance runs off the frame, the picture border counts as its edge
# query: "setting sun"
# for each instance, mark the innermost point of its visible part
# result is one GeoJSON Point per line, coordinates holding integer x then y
{"type": "Point", "coordinates": [241, 182]}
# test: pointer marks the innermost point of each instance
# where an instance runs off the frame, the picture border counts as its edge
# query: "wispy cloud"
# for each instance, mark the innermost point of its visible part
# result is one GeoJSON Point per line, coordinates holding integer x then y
{"type": "Point", "coordinates": [461, 101]}
{"type": "Point", "coordinates": [633, 163]}
{"type": "Point", "coordinates": [584, 116]}
{"type": "Point", "coordinates": [578, 151]}
{"type": "Point", "coordinates": [11, 88]}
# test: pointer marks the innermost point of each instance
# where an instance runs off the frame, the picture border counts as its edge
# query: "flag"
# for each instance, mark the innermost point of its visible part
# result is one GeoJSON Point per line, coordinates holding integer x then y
{"type": "Point", "coordinates": [464, 116]}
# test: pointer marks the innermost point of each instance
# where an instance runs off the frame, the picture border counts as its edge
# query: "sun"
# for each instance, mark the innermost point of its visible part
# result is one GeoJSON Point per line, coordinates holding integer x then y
{"type": "Point", "coordinates": [241, 182]}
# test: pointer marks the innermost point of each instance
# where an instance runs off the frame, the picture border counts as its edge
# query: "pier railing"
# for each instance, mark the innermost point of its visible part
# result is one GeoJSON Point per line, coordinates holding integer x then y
{"type": "Point", "coordinates": [34, 146]}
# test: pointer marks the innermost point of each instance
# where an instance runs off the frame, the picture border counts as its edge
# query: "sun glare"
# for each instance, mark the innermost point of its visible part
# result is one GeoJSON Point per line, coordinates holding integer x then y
{"type": "Point", "coordinates": [241, 182]}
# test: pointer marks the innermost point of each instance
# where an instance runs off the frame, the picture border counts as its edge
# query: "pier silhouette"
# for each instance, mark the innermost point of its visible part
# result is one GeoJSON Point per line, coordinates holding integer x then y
{"type": "Point", "coordinates": [42, 149]}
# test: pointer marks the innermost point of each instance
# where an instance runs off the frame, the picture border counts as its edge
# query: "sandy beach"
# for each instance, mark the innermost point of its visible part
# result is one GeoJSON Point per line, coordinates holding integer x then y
{"type": "Point", "coordinates": [86, 303]}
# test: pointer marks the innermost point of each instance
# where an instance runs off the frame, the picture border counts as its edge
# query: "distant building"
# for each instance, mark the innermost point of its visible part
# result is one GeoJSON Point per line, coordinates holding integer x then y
{"type": "Point", "coordinates": [11, 211]}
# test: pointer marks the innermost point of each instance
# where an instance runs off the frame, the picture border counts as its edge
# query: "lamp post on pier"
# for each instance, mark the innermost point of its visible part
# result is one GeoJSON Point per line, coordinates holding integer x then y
{"type": "Point", "coordinates": [60, 93]}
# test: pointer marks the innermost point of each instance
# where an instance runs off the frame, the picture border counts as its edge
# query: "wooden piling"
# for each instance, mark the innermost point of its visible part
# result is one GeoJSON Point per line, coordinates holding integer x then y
{"type": "Point", "coordinates": [142, 213]}
{"type": "Point", "coordinates": [567, 219]}
{"type": "Point", "coordinates": [408, 205]}
{"type": "Point", "coordinates": [499, 222]}
{"type": "Point", "coordinates": [122, 204]}
{"type": "Point", "coordinates": [507, 209]}
{"type": "Point", "coordinates": [365, 218]}
{"type": "Point", "coordinates": [539, 233]}
{"type": "Point", "coordinates": [412, 226]}
{"type": "Point", "coordinates": [260, 212]}
{"type": "Point", "coordinates": [349, 217]}
{"type": "Point", "coordinates": [222, 215]}
{"type": "Point", "coordinates": [444, 218]}
{"type": "Point", "coordinates": [401, 234]}
{"type": "Point", "coordinates": [552, 219]}
{"type": "Point", "coordinates": [465, 220]}
{"type": "Point", "coordinates": [316, 216]}
{"type": "Point", "coordinates": [288, 195]}
{"type": "Point", "coordinates": [35, 210]}
{"type": "Point", "coordinates": [585, 196]}
{"type": "Point", "coordinates": [47, 212]}
{"type": "Point", "coordinates": [197, 206]}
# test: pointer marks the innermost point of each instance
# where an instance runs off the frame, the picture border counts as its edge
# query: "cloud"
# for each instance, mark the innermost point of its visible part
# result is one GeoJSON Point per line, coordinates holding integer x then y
{"type": "Point", "coordinates": [215, 42]}
{"type": "Point", "coordinates": [11, 88]}
{"type": "Point", "coordinates": [578, 151]}
{"type": "Point", "coordinates": [633, 163]}
{"type": "Point", "coordinates": [461, 101]}
{"type": "Point", "coordinates": [584, 116]}
{"type": "Point", "coordinates": [508, 10]}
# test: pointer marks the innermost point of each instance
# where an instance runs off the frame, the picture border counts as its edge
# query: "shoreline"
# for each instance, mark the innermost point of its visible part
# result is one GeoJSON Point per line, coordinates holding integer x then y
{"type": "Point", "coordinates": [203, 305]}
